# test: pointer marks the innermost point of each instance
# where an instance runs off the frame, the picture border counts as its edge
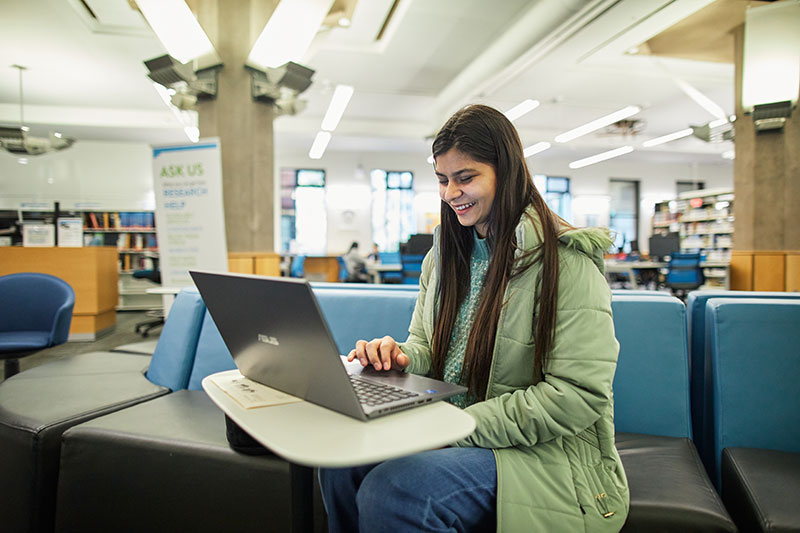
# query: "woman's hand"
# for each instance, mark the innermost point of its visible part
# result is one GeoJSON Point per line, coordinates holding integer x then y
{"type": "Point", "coordinates": [382, 354]}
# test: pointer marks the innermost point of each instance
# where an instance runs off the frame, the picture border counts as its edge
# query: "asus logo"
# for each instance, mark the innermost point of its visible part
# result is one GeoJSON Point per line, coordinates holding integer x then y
{"type": "Point", "coordinates": [266, 339]}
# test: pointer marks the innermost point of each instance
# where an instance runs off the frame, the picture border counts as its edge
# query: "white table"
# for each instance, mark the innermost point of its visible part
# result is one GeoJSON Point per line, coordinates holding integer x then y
{"type": "Point", "coordinates": [167, 296]}
{"type": "Point", "coordinates": [375, 269]}
{"type": "Point", "coordinates": [629, 267]}
{"type": "Point", "coordinates": [308, 435]}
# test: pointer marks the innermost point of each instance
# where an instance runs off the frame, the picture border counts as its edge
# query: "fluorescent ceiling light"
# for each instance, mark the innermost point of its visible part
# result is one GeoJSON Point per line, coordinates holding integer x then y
{"type": "Point", "coordinates": [339, 100]}
{"type": "Point", "coordinates": [320, 143]}
{"type": "Point", "coordinates": [536, 148]}
{"type": "Point", "coordinates": [729, 154]}
{"type": "Point", "coordinates": [526, 106]}
{"type": "Point", "coordinates": [177, 29]}
{"type": "Point", "coordinates": [667, 138]}
{"type": "Point", "coordinates": [289, 32]}
{"type": "Point", "coordinates": [597, 124]}
{"type": "Point", "coordinates": [580, 163]}
{"type": "Point", "coordinates": [717, 123]}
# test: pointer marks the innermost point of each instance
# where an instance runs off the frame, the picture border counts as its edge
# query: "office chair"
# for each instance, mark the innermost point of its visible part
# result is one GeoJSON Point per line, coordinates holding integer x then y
{"type": "Point", "coordinates": [391, 258]}
{"type": "Point", "coordinates": [412, 268]}
{"type": "Point", "coordinates": [297, 270]}
{"type": "Point", "coordinates": [36, 314]}
{"type": "Point", "coordinates": [684, 273]}
{"type": "Point", "coordinates": [342, 268]}
{"type": "Point", "coordinates": [155, 318]}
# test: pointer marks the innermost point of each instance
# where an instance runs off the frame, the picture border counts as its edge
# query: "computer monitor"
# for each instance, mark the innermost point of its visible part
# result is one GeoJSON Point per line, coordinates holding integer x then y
{"type": "Point", "coordinates": [418, 243]}
{"type": "Point", "coordinates": [662, 245]}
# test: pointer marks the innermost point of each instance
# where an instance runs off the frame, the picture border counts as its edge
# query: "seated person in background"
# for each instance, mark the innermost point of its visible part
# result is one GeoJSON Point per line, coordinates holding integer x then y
{"type": "Point", "coordinates": [356, 265]}
{"type": "Point", "coordinates": [374, 256]}
{"type": "Point", "coordinates": [513, 304]}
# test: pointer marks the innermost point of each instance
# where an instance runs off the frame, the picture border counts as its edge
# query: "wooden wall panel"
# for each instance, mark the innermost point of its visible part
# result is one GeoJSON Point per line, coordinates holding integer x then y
{"type": "Point", "coordinates": [792, 271]}
{"type": "Point", "coordinates": [741, 271]}
{"type": "Point", "coordinates": [91, 271]}
{"type": "Point", "coordinates": [769, 272]}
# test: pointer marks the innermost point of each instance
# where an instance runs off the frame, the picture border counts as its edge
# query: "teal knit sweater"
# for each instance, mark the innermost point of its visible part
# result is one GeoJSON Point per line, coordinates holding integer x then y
{"type": "Point", "coordinates": [479, 264]}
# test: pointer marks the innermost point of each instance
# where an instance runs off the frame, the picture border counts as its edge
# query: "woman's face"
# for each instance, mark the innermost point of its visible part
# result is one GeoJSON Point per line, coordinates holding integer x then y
{"type": "Point", "coordinates": [468, 187]}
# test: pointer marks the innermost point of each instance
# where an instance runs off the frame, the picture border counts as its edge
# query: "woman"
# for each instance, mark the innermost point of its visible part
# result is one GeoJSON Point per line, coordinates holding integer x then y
{"type": "Point", "coordinates": [355, 264]}
{"type": "Point", "coordinates": [514, 305]}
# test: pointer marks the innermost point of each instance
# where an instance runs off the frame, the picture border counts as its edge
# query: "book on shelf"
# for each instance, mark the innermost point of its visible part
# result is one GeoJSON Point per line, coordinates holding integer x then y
{"type": "Point", "coordinates": [93, 223]}
{"type": "Point", "coordinates": [120, 220]}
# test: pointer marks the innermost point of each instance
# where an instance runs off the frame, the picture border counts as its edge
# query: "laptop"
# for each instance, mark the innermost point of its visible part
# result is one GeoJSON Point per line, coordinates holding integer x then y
{"type": "Point", "coordinates": [276, 332]}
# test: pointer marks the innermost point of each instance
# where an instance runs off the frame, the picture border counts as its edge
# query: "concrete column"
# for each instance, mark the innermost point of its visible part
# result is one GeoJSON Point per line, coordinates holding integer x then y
{"type": "Point", "coordinates": [243, 125]}
{"type": "Point", "coordinates": [766, 183]}
{"type": "Point", "coordinates": [766, 176]}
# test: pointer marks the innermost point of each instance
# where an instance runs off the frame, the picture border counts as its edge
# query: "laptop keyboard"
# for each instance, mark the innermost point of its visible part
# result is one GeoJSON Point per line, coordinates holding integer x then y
{"type": "Point", "coordinates": [371, 393]}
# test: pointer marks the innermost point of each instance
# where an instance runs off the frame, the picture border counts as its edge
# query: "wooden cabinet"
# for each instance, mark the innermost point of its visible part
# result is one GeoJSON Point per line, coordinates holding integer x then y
{"type": "Point", "coordinates": [90, 271]}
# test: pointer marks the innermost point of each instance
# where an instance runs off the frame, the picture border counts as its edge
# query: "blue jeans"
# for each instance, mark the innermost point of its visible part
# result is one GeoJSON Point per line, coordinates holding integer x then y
{"type": "Point", "coordinates": [452, 489]}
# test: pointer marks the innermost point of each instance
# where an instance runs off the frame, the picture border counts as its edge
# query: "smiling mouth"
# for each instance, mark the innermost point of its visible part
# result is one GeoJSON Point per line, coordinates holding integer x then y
{"type": "Point", "coordinates": [463, 206]}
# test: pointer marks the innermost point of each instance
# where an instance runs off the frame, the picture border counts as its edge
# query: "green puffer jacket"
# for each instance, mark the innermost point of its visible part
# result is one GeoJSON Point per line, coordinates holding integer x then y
{"type": "Point", "coordinates": [557, 467]}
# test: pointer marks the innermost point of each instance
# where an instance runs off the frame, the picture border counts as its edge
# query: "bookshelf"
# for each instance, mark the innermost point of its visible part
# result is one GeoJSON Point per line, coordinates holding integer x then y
{"type": "Point", "coordinates": [704, 220]}
{"type": "Point", "coordinates": [133, 233]}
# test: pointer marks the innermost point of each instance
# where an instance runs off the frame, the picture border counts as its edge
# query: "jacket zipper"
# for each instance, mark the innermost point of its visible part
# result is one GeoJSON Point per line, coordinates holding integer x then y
{"type": "Point", "coordinates": [601, 503]}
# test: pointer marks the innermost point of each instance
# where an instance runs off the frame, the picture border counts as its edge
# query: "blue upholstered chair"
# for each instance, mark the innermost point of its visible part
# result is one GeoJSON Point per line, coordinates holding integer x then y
{"type": "Point", "coordinates": [412, 267]}
{"type": "Point", "coordinates": [700, 364]}
{"type": "Point", "coordinates": [670, 490]}
{"type": "Point", "coordinates": [684, 273]}
{"type": "Point", "coordinates": [342, 268]}
{"type": "Point", "coordinates": [36, 314]}
{"type": "Point", "coordinates": [297, 270]}
{"type": "Point", "coordinates": [390, 258]}
{"type": "Point", "coordinates": [756, 403]}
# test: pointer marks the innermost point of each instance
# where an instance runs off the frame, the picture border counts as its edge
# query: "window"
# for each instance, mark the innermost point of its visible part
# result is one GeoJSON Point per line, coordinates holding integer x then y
{"type": "Point", "coordinates": [392, 208]}
{"type": "Point", "coordinates": [556, 194]}
{"type": "Point", "coordinates": [303, 217]}
{"type": "Point", "coordinates": [624, 213]}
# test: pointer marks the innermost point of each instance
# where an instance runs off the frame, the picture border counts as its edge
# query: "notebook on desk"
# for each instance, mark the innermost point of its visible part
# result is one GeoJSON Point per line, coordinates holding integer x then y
{"type": "Point", "coordinates": [278, 336]}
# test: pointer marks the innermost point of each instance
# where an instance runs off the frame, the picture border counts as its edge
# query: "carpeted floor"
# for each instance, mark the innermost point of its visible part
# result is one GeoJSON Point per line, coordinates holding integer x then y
{"type": "Point", "coordinates": [123, 333]}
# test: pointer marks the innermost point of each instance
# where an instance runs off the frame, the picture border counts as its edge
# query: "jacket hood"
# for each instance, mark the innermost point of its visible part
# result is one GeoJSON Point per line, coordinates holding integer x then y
{"type": "Point", "coordinates": [591, 241]}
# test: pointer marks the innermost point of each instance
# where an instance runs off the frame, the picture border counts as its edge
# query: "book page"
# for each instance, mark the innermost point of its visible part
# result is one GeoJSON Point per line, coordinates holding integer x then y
{"type": "Point", "coordinates": [250, 395]}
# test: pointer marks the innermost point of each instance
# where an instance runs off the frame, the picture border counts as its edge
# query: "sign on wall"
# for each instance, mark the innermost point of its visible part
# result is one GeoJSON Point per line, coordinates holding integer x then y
{"type": "Point", "coordinates": [190, 221]}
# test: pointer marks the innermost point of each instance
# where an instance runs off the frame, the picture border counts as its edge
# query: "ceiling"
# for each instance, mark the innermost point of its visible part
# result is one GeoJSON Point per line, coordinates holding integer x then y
{"type": "Point", "coordinates": [580, 58]}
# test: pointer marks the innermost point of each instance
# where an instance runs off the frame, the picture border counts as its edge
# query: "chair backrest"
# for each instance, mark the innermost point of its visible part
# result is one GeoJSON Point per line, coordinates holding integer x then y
{"type": "Point", "coordinates": [412, 267]}
{"type": "Point", "coordinates": [173, 358]}
{"type": "Point", "coordinates": [637, 292]}
{"type": "Point", "coordinates": [36, 302]}
{"type": "Point", "coordinates": [700, 360]}
{"type": "Point", "coordinates": [755, 365]}
{"type": "Point", "coordinates": [354, 314]}
{"type": "Point", "coordinates": [364, 286]}
{"type": "Point", "coordinates": [389, 258]}
{"type": "Point", "coordinates": [651, 385]}
{"type": "Point", "coordinates": [684, 271]}
{"type": "Point", "coordinates": [343, 272]}
{"type": "Point", "coordinates": [297, 269]}
{"type": "Point", "coordinates": [212, 355]}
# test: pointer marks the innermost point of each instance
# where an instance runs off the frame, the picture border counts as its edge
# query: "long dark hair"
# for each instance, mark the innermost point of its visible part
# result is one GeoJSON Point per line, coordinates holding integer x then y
{"type": "Point", "coordinates": [487, 136]}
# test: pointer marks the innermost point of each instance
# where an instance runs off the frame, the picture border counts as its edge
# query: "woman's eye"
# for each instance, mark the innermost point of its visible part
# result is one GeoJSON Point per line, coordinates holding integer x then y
{"type": "Point", "coordinates": [466, 179]}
